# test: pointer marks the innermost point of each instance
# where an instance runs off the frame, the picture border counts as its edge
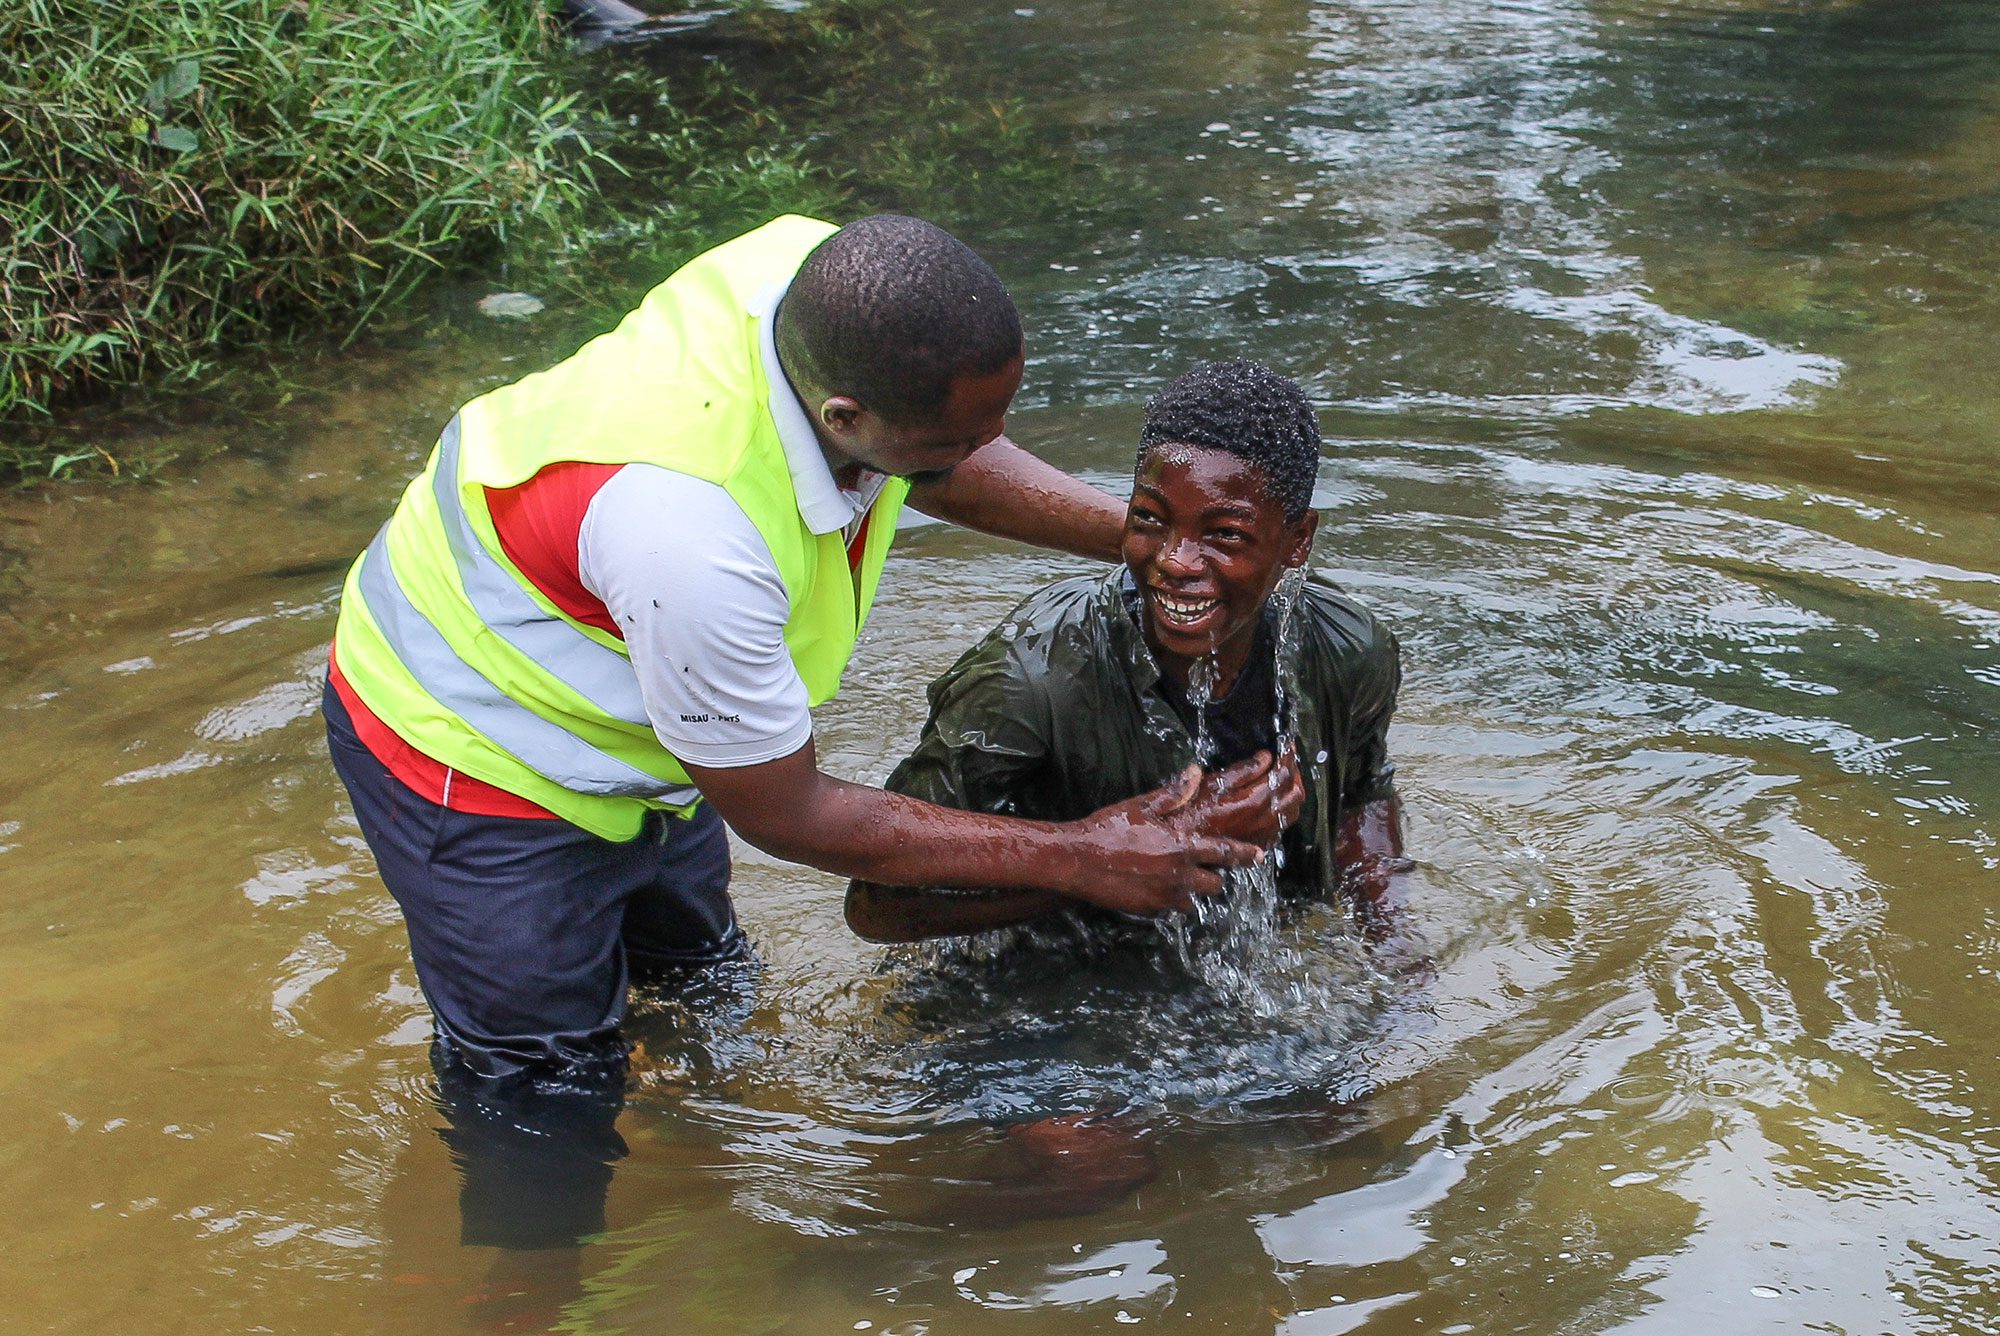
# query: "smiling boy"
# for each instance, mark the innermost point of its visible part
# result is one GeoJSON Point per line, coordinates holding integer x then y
{"type": "Point", "coordinates": [1087, 693]}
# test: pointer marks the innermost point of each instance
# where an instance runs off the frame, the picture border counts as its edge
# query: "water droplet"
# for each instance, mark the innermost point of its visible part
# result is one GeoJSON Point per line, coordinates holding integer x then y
{"type": "Point", "coordinates": [1639, 1089]}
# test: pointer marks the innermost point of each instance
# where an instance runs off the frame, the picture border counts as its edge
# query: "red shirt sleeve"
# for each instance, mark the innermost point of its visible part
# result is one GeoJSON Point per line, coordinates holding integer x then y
{"type": "Point", "coordinates": [537, 524]}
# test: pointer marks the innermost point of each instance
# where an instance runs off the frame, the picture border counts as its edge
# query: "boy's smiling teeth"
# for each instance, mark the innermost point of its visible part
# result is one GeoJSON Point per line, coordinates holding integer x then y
{"type": "Point", "coordinates": [1181, 609]}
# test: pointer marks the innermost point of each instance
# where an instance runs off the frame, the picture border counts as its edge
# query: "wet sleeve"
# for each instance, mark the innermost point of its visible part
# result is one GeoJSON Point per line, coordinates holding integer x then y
{"type": "Point", "coordinates": [985, 744]}
{"type": "Point", "coordinates": [1360, 675]}
{"type": "Point", "coordinates": [692, 585]}
{"type": "Point", "coordinates": [1376, 677]}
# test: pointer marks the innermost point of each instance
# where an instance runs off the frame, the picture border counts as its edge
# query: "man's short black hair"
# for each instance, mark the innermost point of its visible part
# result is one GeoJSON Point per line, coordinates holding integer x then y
{"type": "Point", "coordinates": [1250, 411]}
{"type": "Point", "coordinates": [891, 310]}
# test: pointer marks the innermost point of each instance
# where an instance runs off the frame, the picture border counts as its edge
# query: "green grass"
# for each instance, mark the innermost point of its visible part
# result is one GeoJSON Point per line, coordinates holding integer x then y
{"type": "Point", "coordinates": [185, 176]}
{"type": "Point", "coordinates": [184, 183]}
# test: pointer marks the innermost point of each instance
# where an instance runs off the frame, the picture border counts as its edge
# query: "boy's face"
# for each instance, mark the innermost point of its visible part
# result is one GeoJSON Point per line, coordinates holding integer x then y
{"type": "Point", "coordinates": [1206, 544]}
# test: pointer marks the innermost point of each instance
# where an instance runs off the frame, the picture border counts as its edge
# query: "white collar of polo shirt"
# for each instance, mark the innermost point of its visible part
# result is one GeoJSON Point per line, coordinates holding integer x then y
{"type": "Point", "coordinates": [823, 505]}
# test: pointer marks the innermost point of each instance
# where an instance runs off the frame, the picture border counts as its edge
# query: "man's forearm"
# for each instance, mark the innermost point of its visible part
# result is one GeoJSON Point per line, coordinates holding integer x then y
{"type": "Point", "coordinates": [1153, 853]}
{"type": "Point", "coordinates": [1004, 490]}
{"type": "Point", "coordinates": [887, 838]}
{"type": "Point", "coordinates": [908, 914]}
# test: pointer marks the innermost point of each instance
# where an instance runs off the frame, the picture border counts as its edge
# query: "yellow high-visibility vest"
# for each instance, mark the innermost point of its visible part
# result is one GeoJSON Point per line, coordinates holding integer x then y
{"type": "Point", "coordinates": [447, 642]}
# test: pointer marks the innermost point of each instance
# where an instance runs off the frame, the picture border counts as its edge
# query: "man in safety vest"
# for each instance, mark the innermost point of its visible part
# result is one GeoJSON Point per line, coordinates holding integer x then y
{"type": "Point", "coordinates": [595, 625]}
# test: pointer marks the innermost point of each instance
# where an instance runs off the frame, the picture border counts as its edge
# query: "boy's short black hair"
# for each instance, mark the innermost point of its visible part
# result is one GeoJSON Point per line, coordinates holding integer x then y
{"type": "Point", "coordinates": [1250, 411]}
{"type": "Point", "coordinates": [891, 310]}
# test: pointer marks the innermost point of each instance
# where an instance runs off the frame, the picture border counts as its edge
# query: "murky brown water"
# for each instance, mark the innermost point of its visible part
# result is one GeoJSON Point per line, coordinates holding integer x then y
{"type": "Point", "coordinates": [1658, 343]}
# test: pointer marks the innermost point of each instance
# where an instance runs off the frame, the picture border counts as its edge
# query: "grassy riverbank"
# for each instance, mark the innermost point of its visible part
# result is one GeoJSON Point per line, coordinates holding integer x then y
{"type": "Point", "coordinates": [184, 182]}
{"type": "Point", "coordinates": [180, 179]}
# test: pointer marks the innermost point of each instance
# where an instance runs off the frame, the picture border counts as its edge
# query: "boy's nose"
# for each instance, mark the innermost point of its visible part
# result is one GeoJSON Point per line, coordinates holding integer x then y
{"type": "Point", "coordinates": [1181, 555]}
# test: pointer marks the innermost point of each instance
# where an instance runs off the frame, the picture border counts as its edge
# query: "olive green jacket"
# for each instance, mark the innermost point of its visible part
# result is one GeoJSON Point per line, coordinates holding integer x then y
{"type": "Point", "coordinates": [1057, 713]}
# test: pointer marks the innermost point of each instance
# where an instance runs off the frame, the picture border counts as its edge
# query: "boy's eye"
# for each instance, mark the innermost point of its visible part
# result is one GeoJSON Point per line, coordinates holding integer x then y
{"type": "Point", "coordinates": [1229, 535]}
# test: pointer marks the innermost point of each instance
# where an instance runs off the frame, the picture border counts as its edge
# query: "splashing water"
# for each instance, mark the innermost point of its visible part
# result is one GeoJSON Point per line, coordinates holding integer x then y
{"type": "Point", "coordinates": [1201, 694]}
{"type": "Point", "coordinates": [1285, 600]}
{"type": "Point", "coordinates": [1036, 1022]}
{"type": "Point", "coordinates": [1284, 605]}
{"type": "Point", "coordinates": [1230, 940]}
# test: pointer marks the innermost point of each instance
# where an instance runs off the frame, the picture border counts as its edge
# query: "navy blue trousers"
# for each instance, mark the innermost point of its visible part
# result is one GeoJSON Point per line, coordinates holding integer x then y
{"type": "Point", "coordinates": [526, 933]}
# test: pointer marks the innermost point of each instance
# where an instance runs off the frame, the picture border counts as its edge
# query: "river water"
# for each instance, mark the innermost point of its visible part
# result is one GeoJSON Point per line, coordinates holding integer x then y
{"type": "Point", "coordinates": [1654, 341]}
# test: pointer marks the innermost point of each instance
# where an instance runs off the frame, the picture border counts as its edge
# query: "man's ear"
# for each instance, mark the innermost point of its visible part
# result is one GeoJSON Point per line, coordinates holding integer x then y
{"type": "Point", "coordinates": [1302, 539]}
{"type": "Point", "coordinates": [839, 413]}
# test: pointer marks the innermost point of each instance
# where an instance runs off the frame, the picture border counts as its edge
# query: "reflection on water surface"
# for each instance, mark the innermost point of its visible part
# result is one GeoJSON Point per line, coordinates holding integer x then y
{"type": "Point", "coordinates": [1653, 339]}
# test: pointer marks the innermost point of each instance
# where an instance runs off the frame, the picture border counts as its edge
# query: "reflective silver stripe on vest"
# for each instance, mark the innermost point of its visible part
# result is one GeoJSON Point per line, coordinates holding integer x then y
{"type": "Point", "coordinates": [600, 675]}
{"type": "Point", "coordinates": [547, 748]}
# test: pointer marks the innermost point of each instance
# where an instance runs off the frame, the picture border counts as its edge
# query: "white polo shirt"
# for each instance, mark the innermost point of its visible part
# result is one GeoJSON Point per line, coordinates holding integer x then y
{"type": "Point", "coordinates": [692, 585]}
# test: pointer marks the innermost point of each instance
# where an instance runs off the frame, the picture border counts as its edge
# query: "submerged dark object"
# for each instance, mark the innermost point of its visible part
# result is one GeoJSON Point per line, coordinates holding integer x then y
{"type": "Point", "coordinates": [604, 14]}
{"type": "Point", "coordinates": [597, 22]}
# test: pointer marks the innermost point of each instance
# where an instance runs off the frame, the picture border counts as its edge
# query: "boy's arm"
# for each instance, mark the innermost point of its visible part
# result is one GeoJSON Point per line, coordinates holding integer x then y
{"type": "Point", "coordinates": [982, 747]}
{"type": "Point", "coordinates": [903, 914]}
{"type": "Point", "coordinates": [1368, 848]}
{"type": "Point", "coordinates": [1368, 844]}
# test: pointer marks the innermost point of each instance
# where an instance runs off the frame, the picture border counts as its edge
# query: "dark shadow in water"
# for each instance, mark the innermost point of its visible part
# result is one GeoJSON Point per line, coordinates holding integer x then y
{"type": "Point", "coordinates": [1832, 88]}
{"type": "Point", "coordinates": [523, 1175]}
{"type": "Point", "coordinates": [1041, 1075]}
{"type": "Point", "coordinates": [532, 1162]}
{"type": "Point", "coordinates": [1216, 1263]}
{"type": "Point", "coordinates": [535, 1157]}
